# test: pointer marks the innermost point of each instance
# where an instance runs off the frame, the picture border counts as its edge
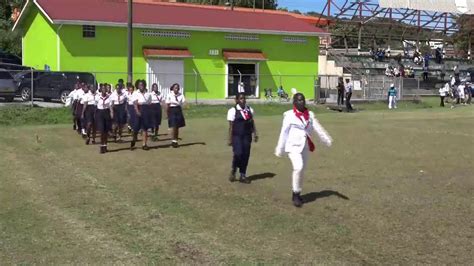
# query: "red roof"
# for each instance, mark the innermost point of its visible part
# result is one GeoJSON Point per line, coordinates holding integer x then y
{"type": "Point", "coordinates": [236, 55]}
{"type": "Point", "coordinates": [175, 16]}
{"type": "Point", "coordinates": [159, 52]}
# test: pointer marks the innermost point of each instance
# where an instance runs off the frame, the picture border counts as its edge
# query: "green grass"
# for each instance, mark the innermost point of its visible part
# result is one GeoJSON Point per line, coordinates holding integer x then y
{"type": "Point", "coordinates": [395, 188]}
{"type": "Point", "coordinates": [14, 116]}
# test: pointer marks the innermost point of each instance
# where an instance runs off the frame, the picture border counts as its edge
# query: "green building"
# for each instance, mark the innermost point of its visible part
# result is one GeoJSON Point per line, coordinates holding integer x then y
{"type": "Point", "coordinates": [208, 50]}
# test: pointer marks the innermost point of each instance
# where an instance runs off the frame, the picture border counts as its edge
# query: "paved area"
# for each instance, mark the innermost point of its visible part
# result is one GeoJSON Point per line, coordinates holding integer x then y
{"type": "Point", "coordinates": [37, 102]}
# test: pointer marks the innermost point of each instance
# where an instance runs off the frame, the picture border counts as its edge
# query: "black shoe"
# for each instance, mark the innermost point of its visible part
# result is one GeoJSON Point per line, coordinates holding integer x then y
{"type": "Point", "coordinates": [103, 149]}
{"type": "Point", "coordinates": [145, 147]}
{"type": "Point", "coordinates": [244, 179]}
{"type": "Point", "coordinates": [93, 142]}
{"type": "Point", "coordinates": [174, 144]}
{"type": "Point", "coordinates": [132, 145]}
{"type": "Point", "coordinates": [74, 127]}
{"type": "Point", "coordinates": [297, 200]}
{"type": "Point", "coordinates": [232, 176]}
{"type": "Point", "coordinates": [88, 140]}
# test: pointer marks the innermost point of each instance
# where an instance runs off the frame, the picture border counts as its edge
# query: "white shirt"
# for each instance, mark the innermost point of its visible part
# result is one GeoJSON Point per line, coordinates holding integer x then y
{"type": "Point", "coordinates": [174, 100]}
{"type": "Point", "coordinates": [130, 97]}
{"type": "Point", "coordinates": [231, 112]}
{"type": "Point", "coordinates": [141, 98]}
{"type": "Point", "coordinates": [117, 98]}
{"type": "Point", "coordinates": [443, 91]}
{"type": "Point", "coordinates": [89, 99]}
{"type": "Point", "coordinates": [155, 97]}
{"type": "Point", "coordinates": [348, 87]}
{"type": "Point", "coordinates": [103, 102]}
{"type": "Point", "coordinates": [294, 131]}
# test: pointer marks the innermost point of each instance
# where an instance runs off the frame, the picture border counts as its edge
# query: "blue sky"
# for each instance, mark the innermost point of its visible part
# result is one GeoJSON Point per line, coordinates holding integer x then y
{"type": "Point", "coordinates": [305, 5]}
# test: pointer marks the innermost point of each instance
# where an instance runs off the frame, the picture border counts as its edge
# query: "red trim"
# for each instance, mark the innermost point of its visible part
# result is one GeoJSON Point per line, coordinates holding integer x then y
{"type": "Point", "coordinates": [159, 52]}
{"type": "Point", "coordinates": [234, 55]}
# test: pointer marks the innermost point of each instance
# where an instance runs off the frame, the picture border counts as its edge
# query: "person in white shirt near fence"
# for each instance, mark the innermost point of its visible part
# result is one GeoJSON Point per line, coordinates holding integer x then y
{"type": "Point", "coordinates": [103, 117]}
{"type": "Point", "coordinates": [89, 102]}
{"type": "Point", "coordinates": [295, 139]}
{"type": "Point", "coordinates": [119, 102]}
{"type": "Point", "coordinates": [443, 92]}
{"type": "Point", "coordinates": [156, 100]}
{"type": "Point", "coordinates": [175, 101]}
{"type": "Point", "coordinates": [143, 119]}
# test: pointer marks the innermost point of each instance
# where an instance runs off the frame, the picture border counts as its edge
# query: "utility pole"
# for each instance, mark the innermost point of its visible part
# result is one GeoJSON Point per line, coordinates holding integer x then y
{"type": "Point", "coordinates": [130, 42]}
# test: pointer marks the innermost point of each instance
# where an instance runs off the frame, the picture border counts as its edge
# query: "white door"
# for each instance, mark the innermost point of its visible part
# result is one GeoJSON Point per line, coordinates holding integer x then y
{"type": "Point", "coordinates": [165, 73]}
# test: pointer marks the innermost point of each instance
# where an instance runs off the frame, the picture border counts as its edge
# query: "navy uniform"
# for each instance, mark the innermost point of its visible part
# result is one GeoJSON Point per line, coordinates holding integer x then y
{"type": "Point", "coordinates": [144, 121]}
{"type": "Point", "coordinates": [156, 100]}
{"type": "Point", "coordinates": [242, 129]}
{"type": "Point", "coordinates": [89, 102]}
{"type": "Point", "coordinates": [103, 119]}
{"type": "Point", "coordinates": [175, 111]}
{"type": "Point", "coordinates": [119, 102]}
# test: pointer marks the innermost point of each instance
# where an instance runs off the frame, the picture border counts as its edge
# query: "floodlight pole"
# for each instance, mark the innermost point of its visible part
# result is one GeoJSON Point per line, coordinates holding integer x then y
{"type": "Point", "coordinates": [130, 42]}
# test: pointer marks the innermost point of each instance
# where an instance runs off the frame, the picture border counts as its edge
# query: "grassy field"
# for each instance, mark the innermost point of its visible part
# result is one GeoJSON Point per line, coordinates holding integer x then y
{"type": "Point", "coordinates": [396, 188]}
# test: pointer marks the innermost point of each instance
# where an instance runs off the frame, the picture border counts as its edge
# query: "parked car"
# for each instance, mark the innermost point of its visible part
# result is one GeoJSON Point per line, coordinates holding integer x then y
{"type": "Point", "coordinates": [7, 85]}
{"type": "Point", "coordinates": [50, 85]}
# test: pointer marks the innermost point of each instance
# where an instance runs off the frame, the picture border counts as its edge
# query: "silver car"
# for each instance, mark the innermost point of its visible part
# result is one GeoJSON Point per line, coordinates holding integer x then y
{"type": "Point", "coordinates": [7, 85]}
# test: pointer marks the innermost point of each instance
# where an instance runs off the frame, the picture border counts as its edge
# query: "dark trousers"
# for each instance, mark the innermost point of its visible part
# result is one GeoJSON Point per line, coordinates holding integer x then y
{"type": "Point", "coordinates": [340, 97]}
{"type": "Point", "coordinates": [348, 101]}
{"type": "Point", "coordinates": [442, 101]}
{"type": "Point", "coordinates": [241, 148]}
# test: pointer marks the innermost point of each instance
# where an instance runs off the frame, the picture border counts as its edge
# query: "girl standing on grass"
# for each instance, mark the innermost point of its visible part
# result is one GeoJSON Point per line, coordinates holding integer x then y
{"type": "Point", "coordinates": [103, 118]}
{"type": "Point", "coordinates": [89, 100]}
{"type": "Point", "coordinates": [131, 116]}
{"type": "Point", "coordinates": [119, 101]}
{"type": "Point", "coordinates": [156, 100]}
{"type": "Point", "coordinates": [295, 139]}
{"type": "Point", "coordinates": [143, 121]}
{"type": "Point", "coordinates": [174, 110]}
{"type": "Point", "coordinates": [241, 129]}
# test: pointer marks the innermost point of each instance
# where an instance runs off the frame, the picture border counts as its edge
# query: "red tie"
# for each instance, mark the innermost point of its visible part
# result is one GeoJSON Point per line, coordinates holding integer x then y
{"type": "Point", "coordinates": [305, 115]}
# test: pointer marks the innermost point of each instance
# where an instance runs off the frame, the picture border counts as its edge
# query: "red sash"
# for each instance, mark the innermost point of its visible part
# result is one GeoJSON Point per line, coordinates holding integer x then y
{"type": "Point", "coordinates": [305, 115]}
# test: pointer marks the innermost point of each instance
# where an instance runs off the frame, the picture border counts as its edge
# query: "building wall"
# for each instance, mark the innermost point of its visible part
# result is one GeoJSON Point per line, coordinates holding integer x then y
{"type": "Point", "coordinates": [39, 41]}
{"type": "Point", "coordinates": [292, 64]}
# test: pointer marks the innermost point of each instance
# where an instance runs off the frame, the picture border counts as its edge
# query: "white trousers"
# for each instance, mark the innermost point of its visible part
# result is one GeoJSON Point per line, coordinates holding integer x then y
{"type": "Point", "coordinates": [298, 160]}
{"type": "Point", "coordinates": [392, 102]}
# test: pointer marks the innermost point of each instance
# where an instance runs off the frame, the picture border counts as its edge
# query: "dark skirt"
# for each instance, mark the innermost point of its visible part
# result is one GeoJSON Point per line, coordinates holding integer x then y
{"type": "Point", "coordinates": [176, 117]}
{"type": "Point", "coordinates": [89, 114]}
{"type": "Point", "coordinates": [73, 108]}
{"type": "Point", "coordinates": [143, 122]}
{"type": "Point", "coordinates": [156, 114]}
{"type": "Point", "coordinates": [120, 114]}
{"type": "Point", "coordinates": [78, 110]}
{"type": "Point", "coordinates": [103, 120]}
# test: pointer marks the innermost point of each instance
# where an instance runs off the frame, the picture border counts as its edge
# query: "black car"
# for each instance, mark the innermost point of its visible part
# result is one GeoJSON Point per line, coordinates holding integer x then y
{"type": "Point", "coordinates": [50, 85]}
{"type": "Point", "coordinates": [7, 85]}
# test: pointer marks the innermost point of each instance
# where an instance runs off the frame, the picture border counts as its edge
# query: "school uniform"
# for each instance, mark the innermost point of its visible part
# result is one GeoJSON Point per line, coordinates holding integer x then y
{"type": "Point", "coordinates": [131, 114]}
{"type": "Point", "coordinates": [175, 110]}
{"type": "Point", "coordinates": [295, 139]}
{"type": "Point", "coordinates": [348, 88]}
{"type": "Point", "coordinates": [89, 102]}
{"type": "Point", "coordinates": [143, 122]}
{"type": "Point", "coordinates": [78, 106]}
{"type": "Point", "coordinates": [156, 100]}
{"type": "Point", "coordinates": [392, 98]}
{"type": "Point", "coordinates": [242, 129]}
{"type": "Point", "coordinates": [102, 118]}
{"type": "Point", "coordinates": [119, 102]}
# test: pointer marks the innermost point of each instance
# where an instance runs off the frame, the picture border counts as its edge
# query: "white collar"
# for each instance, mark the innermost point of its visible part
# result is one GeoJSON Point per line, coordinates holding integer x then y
{"type": "Point", "coordinates": [237, 106]}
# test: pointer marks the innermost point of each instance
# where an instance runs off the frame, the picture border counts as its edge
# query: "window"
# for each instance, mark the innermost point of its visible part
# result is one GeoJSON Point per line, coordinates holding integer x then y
{"type": "Point", "coordinates": [88, 31]}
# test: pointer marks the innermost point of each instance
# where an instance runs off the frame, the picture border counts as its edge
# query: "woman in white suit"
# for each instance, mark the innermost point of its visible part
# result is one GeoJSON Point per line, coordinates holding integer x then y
{"type": "Point", "coordinates": [295, 139]}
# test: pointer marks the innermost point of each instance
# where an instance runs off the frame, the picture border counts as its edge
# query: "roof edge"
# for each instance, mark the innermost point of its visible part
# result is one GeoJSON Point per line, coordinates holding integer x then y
{"type": "Point", "coordinates": [25, 10]}
{"type": "Point", "coordinates": [192, 28]}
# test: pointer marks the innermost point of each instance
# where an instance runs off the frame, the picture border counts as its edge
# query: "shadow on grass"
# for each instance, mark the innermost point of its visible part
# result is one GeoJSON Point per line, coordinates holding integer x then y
{"type": "Point", "coordinates": [261, 176]}
{"type": "Point", "coordinates": [313, 196]}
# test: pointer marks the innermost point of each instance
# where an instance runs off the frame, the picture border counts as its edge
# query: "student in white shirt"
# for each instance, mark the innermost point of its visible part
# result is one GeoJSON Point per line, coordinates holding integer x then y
{"type": "Point", "coordinates": [348, 89]}
{"type": "Point", "coordinates": [119, 102]}
{"type": "Point", "coordinates": [77, 96]}
{"type": "Point", "coordinates": [156, 100]}
{"type": "Point", "coordinates": [143, 121]}
{"type": "Point", "coordinates": [89, 102]}
{"type": "Point", "coordinates": [73, 103]}
{"type": "Point", "coordinates": [295, 139]}
{"type": "Point", "coordinates": [103, 117]}
{"type": "Point", "coordinates": [443, 92]}
{"type": "Point", "coordinates": [174, 102]}
{"type": "Point", "coordinates": [241, 129]}
{"type": "Point", "coordinates": [131, 115]}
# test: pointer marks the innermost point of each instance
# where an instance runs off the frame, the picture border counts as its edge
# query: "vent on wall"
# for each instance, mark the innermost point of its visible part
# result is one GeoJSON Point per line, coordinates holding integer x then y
{"type": "Point", "coordinates": [168, 34]}
{"type": "Point", "coordinates": [295, 39]}
{"type": "Point", "coordinates": [241, 37]}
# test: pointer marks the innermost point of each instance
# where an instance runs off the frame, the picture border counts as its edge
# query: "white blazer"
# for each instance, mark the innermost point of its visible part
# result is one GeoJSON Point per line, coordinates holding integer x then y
{"type": "Point", "coordinates": [293, 133]}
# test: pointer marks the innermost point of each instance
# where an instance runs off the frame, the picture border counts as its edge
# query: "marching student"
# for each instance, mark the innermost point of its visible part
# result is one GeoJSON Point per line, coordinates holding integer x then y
{"type": "Point", "coordinates": [131, 116]}
{"type": "Point", "coordinates": [348, 88]}
{"type": "Point", "coordinates": [174, 110]}
{"type": "Point", "coordinates": [295, 139]}
{"type": "Point", "coordinates": [443, 92]}
{"type": "Point", "coordinates": [103, 117]}
{"type": "Point", "coordinates": [109, 88]}
{"type": "Point", "coordinates": [72, 101]}
{"type": "Point", "coordinates": [119, 102]}
{"type": "Point", "coordinates": [143, 119]}
{"type": "Point", "coordinates": [392, 97]}
{"type": "Point", "coordinates": [156, 100]}
{"type": "Point", "coordinates": [81, 128]}
{"type": "Point", "coordinates": [89, 101]}
{"type": "Point", "coordinates": [241, 129]}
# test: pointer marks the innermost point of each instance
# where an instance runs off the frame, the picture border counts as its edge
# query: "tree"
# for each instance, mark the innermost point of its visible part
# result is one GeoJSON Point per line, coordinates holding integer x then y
{"type": "Point", "coordinates": [269, 4]}
{"type": "Point", "coordinates": [9, 41]}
